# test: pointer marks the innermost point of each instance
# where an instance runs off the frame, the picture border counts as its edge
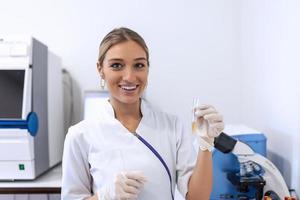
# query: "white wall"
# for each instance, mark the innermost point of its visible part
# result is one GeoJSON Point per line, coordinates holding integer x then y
{"type": "Point", "coordinates": [195, 53]}
{"type": "Point", "coordinates": [270, 86]}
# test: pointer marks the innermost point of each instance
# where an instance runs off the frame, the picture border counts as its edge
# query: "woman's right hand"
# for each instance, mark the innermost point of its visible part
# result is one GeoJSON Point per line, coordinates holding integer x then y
{"type": "Point", "coordinates": [126, 185]}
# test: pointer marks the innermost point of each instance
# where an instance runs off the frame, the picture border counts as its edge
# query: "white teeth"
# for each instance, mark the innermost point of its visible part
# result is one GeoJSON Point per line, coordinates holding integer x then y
{"type": "Point", "coordinates": [128, 87]}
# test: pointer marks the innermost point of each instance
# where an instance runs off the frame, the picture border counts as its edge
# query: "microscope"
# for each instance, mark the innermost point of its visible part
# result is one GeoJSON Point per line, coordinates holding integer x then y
{"type": "Point", "coordinates": [256, 177]}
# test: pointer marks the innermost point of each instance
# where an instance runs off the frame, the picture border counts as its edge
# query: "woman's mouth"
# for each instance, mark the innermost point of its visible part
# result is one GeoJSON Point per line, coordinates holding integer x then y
{"type": "Point", "coordinates": [128, 88]}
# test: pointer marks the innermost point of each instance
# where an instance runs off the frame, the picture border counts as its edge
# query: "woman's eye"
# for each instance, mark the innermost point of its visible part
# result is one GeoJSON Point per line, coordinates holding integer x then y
{"type": "Point", "coordinates": [139, 65]}
{"type": "Point", "coordinates": [116, 65]}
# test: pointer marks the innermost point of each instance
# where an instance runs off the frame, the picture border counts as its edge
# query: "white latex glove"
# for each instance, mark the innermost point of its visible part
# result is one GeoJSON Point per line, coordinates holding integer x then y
{"type": "Point", "coordinates": [210, 125]}
{"type": "Point", "coordinates": [126, 186]}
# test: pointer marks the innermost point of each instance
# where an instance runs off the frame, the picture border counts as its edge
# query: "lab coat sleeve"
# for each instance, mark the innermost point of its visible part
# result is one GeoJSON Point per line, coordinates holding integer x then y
{"type": "Point", "coordinates": [186, 158]}
{"type": "Point", "coordinates": [76, 179]}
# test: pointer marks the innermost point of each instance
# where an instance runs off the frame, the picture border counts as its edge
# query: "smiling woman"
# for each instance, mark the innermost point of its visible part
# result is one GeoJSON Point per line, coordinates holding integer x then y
{"type": "Point", "coordinates": [132, 150]}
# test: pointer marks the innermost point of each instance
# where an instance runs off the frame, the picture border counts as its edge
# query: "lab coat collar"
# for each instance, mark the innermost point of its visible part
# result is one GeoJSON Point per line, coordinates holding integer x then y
{"type": "Point", "coordinates": [145, 108]}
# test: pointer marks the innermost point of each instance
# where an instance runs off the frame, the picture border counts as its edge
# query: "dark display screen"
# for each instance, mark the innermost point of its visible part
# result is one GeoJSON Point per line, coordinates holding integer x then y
{"type": "Point", "coordinates": [11, 93]}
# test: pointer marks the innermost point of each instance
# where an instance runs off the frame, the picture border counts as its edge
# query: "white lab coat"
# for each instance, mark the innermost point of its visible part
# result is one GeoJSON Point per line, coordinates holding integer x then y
{"type": "Point", "coordinates": [95, 150]}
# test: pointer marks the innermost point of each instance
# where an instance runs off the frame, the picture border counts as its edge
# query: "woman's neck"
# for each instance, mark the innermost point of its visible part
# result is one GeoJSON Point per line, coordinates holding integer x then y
{"type": "Point", "coordinates": [124, 111]}
{"type": "Point", "coordinates": [128, 114]}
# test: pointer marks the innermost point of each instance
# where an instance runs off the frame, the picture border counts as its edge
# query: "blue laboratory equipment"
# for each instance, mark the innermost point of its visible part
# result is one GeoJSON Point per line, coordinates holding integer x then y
{"type": "Point", "coordinates": [242, 171]}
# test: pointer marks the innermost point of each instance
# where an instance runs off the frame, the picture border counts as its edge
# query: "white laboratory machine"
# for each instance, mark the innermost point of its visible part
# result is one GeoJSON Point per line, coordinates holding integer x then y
{"type": "Point", "coordinates": [31, 108]}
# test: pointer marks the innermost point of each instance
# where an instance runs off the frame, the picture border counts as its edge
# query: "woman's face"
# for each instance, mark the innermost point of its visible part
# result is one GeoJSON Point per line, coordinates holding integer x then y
{"type": "Point", "coordinates": [125, 71]}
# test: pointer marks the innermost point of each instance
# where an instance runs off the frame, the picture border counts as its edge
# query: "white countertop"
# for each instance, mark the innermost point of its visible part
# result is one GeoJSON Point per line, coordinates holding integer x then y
{"type": "Point", "coordinates": [50, 179]}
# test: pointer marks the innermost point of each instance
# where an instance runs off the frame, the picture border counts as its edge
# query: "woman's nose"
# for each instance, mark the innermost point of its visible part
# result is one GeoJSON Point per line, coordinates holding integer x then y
{"type": "Point", "coordinates": [129, 74]}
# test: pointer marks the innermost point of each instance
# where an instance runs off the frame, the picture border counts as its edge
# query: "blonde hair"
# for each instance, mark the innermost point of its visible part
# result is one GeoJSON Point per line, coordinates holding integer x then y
{"type": "Point", "coordinates": [117, 36]}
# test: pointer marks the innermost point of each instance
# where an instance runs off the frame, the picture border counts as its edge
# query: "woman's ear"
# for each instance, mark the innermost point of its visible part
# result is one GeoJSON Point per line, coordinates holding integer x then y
{"type": "Point", "coordinates": [100, 69]}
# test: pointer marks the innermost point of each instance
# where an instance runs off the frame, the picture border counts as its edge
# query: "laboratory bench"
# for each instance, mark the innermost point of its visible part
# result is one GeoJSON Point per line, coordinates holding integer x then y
{"type": "Point", "coordinates": [47, 186]}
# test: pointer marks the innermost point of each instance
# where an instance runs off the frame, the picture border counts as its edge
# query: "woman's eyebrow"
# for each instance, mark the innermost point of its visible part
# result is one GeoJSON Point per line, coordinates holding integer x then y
{"type": "Point", "coordinates": [141, 58]}
{"type": "Point", "coordinates": [115, 59]}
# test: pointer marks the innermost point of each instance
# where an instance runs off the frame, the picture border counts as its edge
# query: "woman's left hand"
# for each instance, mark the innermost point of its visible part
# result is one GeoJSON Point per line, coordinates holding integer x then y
{"type": "Point", "coordinates": [210, 124]}
{"type": "Point", "coordinates": [211, 119]}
